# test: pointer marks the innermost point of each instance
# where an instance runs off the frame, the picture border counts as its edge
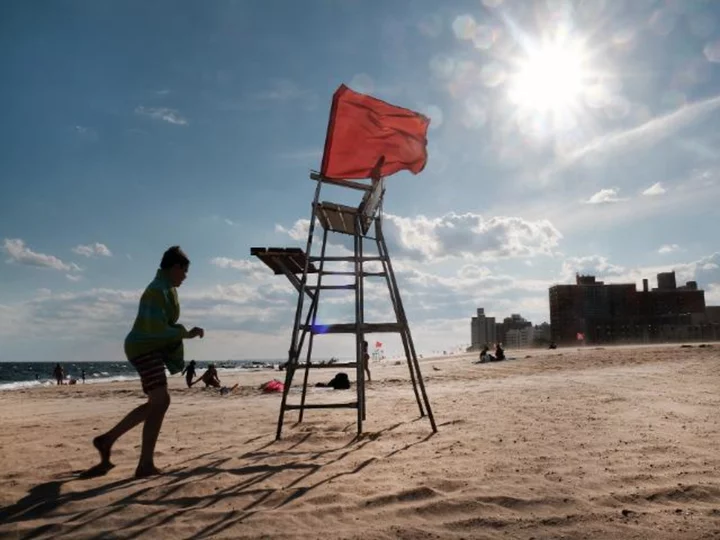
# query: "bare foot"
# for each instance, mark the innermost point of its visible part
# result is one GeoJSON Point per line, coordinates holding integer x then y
{"type": "Point", "coordinates": [103, 448]}
{"type": "Point", "coordinates": [143, 471]}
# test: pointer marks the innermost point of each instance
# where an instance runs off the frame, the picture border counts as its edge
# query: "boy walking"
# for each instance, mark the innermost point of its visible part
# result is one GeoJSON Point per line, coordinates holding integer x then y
{"type": "Point", "coordinates": [153, 344]}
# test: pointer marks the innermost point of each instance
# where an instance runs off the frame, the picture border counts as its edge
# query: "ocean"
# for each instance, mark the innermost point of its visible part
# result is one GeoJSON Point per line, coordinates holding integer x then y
{"type": "Point", "coordinates": [14, 375]}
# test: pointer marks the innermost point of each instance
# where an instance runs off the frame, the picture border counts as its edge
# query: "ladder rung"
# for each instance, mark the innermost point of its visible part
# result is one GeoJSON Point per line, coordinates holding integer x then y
{"type": "Point", "coordinates": [363, 274]}
{"type": "Point", "coordinates": [345, 259]}
{"type": "Point", "coordinates": [334, 365]}
{"type": "Point", "coordinates": [351, 405]}
{"type": "Point", "coordinates": [351, 328]}
{"type": "Point", "coordinates": [330, 287]}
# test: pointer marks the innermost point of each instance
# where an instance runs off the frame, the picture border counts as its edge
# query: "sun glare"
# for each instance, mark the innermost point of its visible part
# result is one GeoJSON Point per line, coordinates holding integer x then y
{"type": "Point", "coordinates": [550, 79]}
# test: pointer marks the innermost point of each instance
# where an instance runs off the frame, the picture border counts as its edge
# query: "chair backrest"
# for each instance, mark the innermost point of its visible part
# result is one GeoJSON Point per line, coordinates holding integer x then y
{"type": "Point", "coordinates": [371, 202]}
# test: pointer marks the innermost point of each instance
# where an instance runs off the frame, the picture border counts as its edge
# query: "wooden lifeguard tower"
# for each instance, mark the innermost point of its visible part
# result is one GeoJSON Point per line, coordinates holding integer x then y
{"type": "Point", "coordinates": [306, 272]}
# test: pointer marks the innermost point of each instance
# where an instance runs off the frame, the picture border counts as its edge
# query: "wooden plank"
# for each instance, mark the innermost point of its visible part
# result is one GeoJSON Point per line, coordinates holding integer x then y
{"type": "Point", "coordinates": [293, 259]}
{"type": "Point", "coordinates": [334, 365]}
{"type": "Point", "coordinates": [351, 405]}
{"type": "Point", "coordinates": [342, 183]}
{"type": "Point", "coordinates": [337, 217]}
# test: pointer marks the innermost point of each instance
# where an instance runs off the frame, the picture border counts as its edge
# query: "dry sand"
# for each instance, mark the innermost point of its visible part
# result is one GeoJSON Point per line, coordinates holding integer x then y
{"type": "Point", "coordinates": [615, 443]}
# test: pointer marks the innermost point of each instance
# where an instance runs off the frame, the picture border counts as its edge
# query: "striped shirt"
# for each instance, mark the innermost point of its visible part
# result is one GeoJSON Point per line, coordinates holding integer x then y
{"type": "Point", "coordinates": [156, 327]}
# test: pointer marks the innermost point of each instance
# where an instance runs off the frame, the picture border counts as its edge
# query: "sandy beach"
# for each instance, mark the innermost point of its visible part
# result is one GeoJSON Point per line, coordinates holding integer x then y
{"type": "Point", "coordinates": [592, 443]}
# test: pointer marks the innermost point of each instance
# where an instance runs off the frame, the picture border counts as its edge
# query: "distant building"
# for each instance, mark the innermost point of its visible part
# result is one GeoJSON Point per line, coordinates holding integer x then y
{"type": "Point", "coordinates": [519, 338]}
{"type": "Point", "coordinates": [542, 333]}
{"type": "Point", "coordinates": [610, 313]}
{"type": "Point", "coordinates": [513, 322]}
{"type": "Point", "coordinates": [482, 330]}
{"type": "Point", "coordinates": [514, 332]}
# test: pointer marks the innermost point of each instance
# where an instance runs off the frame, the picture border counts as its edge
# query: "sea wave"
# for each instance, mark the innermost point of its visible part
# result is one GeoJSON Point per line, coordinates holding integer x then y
{"type": "Point", "coordinates": [19, 385]}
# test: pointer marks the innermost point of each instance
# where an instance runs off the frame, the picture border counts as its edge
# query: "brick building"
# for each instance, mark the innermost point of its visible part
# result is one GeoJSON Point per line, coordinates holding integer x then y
{"type": "Point", "coordinates": [608, 313]}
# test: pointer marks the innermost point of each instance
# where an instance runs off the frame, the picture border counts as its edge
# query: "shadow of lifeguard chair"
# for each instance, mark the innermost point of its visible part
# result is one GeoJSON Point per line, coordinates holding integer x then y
{"type": "Point", "coordinates": [363, 223]}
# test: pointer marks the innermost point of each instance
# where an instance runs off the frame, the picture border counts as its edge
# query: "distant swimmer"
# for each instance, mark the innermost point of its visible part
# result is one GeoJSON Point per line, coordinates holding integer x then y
{"type": "Point", "coordinates": [59, 374]}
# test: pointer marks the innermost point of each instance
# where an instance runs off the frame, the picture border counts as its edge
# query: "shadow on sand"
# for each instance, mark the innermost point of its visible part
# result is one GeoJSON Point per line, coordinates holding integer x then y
{"type": "Point", "coordinates": [49, 500]}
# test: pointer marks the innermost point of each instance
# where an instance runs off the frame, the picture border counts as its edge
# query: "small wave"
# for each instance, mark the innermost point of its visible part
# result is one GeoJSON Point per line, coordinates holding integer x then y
{"type": "Point", "coordinates": [18, 385]}
{"type": "Point", "coordinates": [244, 369]}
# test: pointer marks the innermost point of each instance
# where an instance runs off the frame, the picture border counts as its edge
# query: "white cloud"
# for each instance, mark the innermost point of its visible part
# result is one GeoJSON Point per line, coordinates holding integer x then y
{"type": "Point", "coordinates": [605, 196]}
{"type": "Point", "coordinates": [298, 231]}
{"type": "Point", "coordinates": [244, 265]}
{"type": "Point", "coordinates": [85, 132]}
{"type": "Point", "coordinates": [668, 248]}
{"type": "Point", "coordinates": [21, 254]}
{"type": "Point", "coordinates": [72, 277]}
{"type": "Point", "coordinates": [655, 189]}
{"type": "Point", "coordinates": [712, 294]}
{"type": "Point", "coordinates": [595, 265]}
{"type": "Point", "coordinates": [469, 236]}
{"type": "Point", "coordinates": [171, 116]}
{"type": "Point", "coordinates": [647, 134]}
{"type": "Point", "coordinates": [706, 271]}
{"type": "Point", "coordinates": [91, 250]}
{"type": "Point", "coordinates": [458, 235]}
{"type": "Point", "coordinates": [283, 90]}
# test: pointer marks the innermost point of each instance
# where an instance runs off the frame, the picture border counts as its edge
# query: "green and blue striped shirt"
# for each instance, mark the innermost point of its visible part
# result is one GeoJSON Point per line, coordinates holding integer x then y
{"type": "Point", "coordinates": [156, 327]}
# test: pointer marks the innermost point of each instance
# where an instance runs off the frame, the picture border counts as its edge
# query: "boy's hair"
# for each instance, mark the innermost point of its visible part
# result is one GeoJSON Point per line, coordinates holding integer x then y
{"type": "Point", "coordinates": [174, 255]}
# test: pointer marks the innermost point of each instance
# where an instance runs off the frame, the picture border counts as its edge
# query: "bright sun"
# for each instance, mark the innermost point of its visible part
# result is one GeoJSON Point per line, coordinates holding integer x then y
{"type": "Point", "coordinates": [550, 79]}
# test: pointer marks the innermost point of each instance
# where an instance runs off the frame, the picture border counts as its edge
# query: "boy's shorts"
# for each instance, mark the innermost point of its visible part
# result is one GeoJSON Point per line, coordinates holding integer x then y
{"type": "Point", "coordinates": [151, 369]}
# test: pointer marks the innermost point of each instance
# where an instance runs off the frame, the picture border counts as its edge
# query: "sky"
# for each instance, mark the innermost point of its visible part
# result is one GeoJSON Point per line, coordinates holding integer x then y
{"type": "Point", "coordinates": [565, 137]}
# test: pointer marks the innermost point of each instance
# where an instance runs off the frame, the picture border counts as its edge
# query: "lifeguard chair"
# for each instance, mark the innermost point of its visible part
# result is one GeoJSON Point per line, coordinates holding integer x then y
{"type": "Point", "coordinates": [363, 223]}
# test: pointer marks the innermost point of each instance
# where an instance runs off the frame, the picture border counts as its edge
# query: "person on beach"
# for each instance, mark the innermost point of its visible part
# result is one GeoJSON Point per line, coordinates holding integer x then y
{"type": "Point", "coordinates": [82, 375]}
{"type": "Point", "coordinates": [485, 355]}
{"type": "Point", "coordinates": [210, 377]}
{"type": "Point", "coordinates": [366, 360]}
{"type": "Point", "coordinates": [154, 343]}
{"type": "Point", "coordinates": [189, 372]}
{"type": "Point", "coordinates": [59, 374]}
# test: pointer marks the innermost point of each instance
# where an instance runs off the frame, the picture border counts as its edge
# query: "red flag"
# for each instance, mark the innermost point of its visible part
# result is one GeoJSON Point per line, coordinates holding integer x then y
{"type": "Point", "coordinates": [378, 344]}
{"type": "Point", "coordinates": [369, 138]}
{"type": "Point", "coordinates": [580, 336]}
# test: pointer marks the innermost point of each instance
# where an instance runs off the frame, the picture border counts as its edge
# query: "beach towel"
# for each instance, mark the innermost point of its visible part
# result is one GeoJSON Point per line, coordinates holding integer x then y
{"type": "Point", "coordinates": [272, 386]}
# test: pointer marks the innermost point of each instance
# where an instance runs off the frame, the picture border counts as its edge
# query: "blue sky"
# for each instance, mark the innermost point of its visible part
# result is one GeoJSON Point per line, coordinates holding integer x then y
{"type": "Point", "coordinates": [564, 137]}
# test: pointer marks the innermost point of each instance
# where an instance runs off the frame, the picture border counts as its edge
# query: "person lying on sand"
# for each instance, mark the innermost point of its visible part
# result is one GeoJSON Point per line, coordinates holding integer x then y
{"type": "Point", "coordinates": [339, 382]}
{"type": "Point", "coordinates": [225, 390]}
{"type": "Point", "coordinates": [154, 343]}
